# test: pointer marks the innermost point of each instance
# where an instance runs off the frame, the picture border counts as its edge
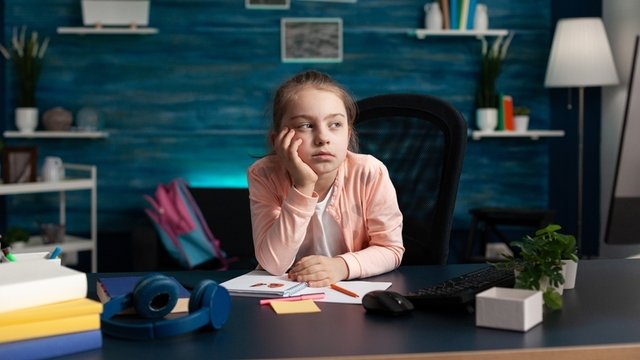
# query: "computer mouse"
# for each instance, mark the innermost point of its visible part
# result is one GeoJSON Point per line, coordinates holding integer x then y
{"type": "Point", "coordinates": [386, 302]}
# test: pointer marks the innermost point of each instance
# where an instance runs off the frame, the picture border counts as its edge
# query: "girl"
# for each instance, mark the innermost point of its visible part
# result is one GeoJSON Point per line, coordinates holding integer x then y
{"type": "Point", "coordinates": [318, 210]}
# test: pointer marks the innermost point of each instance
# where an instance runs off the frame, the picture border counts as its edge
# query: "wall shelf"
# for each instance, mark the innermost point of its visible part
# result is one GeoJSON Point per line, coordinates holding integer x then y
{"type": "Point", "coordinates": [423, 33]}
{"type": "Point", "coordinates": [85, 30]}
{"type": "Point", "coordinates": [56, 134]}
{"type": "Point", "coordinates": [532, 134]}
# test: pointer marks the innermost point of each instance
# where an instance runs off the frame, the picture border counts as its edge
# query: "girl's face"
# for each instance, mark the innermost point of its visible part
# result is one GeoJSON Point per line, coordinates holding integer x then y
{"type": "Point", "coordinates": [319, 118]}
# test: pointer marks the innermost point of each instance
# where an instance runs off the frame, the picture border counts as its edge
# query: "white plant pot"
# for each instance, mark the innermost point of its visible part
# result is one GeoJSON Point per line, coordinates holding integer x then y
{"type": "Point", "coordinates": [26, 119]}
{"type": "Point", "coordinates": [487, 119]}
{"type": "Point", "coordinates": [570, 269]}
{"type": "Point", "coordinates": [521, 123]}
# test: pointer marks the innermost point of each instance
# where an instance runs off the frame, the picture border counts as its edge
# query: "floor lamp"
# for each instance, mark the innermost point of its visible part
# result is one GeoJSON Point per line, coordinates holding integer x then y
{"type": "Point", "coordinates": [580, 57]}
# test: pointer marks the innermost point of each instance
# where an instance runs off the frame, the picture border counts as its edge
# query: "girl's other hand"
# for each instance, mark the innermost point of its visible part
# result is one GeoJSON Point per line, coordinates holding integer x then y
{"type": "Point", "coordinates": [319, 271]}
{"type": "Point", "coordinates": [286, 147]}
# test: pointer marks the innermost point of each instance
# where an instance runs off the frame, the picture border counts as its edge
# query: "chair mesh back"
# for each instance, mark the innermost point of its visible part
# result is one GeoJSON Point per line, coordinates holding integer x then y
{"type": "Point", "coordinates": [422, 147]}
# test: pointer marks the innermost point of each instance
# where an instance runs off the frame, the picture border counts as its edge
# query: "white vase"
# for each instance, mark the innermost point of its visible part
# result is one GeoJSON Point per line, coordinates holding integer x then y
{"type": "Point", "coordinates": [481, 18]}
{"type": "Point", "coordinates": [433, 16]}
{"type": "Point", "coordinates": [487, 119]}
{"type": "Point", "coordinates": [521, 123]}
{"type": "Point", "coordinates": [570, 269]}
{"type": "Point", "coordinates": [26, 119]}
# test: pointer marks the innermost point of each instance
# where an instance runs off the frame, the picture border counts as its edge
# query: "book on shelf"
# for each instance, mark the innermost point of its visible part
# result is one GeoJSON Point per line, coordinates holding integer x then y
{"type": "Point", "coordinates": [110, 287]}
{"type": "Point", "coordinates": [261, 283]}
{"type": "Point", "coordinates": [454, 14]}
{"type": "Point", "coordinates": [471, 14]}
{"type": "Point", "coordinates": [464, 14]}
{"type": "Point", "coordinates": [32, 283]}
{"type": "Point", "coordinates": [444, 6]}
{"type": "Point", "coordinates": [52, 346]}
{"type": "Point", "coordinates": [500, 125]}
{"type": "Point", "coordinates": [507, 112]}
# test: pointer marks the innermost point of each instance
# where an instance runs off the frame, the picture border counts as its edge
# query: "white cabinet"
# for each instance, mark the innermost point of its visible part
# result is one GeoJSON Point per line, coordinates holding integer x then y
{"type": "Point", "coordinates": [72, 244]}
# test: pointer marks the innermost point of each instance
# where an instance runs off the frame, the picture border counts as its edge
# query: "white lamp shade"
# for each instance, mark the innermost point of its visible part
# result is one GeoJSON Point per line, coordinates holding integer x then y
{"type": "Point", "coordinates": [580, 55]}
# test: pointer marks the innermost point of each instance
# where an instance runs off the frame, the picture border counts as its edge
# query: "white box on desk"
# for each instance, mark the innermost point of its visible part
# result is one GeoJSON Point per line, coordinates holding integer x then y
{"type": "Point", "coordinates": [510, 309]}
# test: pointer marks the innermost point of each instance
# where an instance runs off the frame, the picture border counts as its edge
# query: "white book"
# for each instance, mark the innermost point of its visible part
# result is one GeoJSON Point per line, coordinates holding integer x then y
{"type": "Point", "coordinates": [33, 283]}
{"type": "Point", "coordinates": [261, 283]}
{"type": "Point", "coordinates": [256, 283]}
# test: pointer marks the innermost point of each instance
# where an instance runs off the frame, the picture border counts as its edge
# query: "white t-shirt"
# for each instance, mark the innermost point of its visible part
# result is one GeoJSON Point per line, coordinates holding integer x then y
{"type": "Point", "coordinates": [324, 236]}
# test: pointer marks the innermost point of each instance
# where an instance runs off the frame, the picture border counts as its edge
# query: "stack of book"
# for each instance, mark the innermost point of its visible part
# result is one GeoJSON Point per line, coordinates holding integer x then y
{"type": "Point", "coordinates": [44, 311]}
{"type": "Point", "coordinates": [458, 14]}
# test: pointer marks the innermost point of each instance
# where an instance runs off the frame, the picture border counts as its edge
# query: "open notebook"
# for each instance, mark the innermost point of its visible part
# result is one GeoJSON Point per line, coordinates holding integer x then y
{"type": "Point", "coordinates": [260, 283]}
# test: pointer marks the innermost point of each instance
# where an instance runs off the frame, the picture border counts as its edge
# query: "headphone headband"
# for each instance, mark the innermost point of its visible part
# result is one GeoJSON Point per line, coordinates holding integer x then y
{"type": "Point", "coordinates": [153, 297]}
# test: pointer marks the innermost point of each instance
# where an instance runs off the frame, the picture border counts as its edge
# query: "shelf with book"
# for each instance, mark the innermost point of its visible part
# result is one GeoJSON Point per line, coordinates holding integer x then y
{"type": "Point", "coordinates": [71, 244]}
{"type": "Point", "coordinates": [424, 33]}
{"type": "Point", "coordinates": [532, 134]}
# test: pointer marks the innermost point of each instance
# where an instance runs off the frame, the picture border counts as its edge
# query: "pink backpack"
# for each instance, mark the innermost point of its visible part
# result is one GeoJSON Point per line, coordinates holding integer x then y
{"type": "Point", "coordinates": [181, 226]}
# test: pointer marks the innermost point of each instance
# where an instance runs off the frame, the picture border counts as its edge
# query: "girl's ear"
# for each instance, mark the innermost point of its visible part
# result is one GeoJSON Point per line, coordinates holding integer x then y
{"type": "Point", "coordinates": [272, 138]}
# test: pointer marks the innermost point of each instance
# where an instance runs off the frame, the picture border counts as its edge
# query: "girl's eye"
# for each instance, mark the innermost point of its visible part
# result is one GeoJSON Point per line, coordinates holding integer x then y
{"type": "Point", "coordinates": [336, 124]}
{"type": "Point", "coordinates": [304, 126]}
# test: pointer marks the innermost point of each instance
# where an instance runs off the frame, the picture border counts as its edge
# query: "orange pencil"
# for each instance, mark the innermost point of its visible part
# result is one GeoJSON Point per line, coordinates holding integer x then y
{"type": "Point", "coordinates": [344, 291]}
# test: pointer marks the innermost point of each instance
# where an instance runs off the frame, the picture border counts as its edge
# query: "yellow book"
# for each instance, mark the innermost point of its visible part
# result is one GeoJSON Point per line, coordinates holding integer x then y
{"type": "Point", "coordinates": [37, 329]}
{"type": "Point", "coordinates": [53, 311]}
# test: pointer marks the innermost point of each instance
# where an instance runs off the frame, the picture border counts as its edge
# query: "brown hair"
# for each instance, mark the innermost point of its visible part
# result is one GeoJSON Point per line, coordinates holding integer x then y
{"type": "Point", "coordinates": [317, 80]}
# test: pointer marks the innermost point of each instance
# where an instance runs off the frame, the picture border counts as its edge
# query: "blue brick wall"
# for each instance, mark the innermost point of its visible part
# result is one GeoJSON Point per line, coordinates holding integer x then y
{"type": "Point", "coordinates": [192, 100]}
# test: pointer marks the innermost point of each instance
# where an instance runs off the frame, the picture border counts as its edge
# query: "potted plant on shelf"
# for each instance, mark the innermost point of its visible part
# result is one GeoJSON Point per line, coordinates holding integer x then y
{"type": "Point", "coordinates": [486, 93]}
{"type": "Point", "coordinates": [26, 54]}
{"type": "Point", "coordinates": [521, 118]}
{"type": "Point", "coordinates": [539, 263]}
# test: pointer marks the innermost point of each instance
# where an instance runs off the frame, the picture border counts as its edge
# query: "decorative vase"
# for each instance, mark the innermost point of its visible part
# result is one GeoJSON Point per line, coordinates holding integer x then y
{"type": "Point", "coordinates": [521, 123]}
{"type": "Point", "coordinates": [433, 16]}
{"type": "Point", "coordinates": [57, 119]}
{"type": "Point", "coordinates": [487, 119]}
{"type": "Point", "coordinates": [26, 119]}
{"type": "Point", "coordinates": [481, 18]}
{"type": "Point", "coordinates": [570, 269]}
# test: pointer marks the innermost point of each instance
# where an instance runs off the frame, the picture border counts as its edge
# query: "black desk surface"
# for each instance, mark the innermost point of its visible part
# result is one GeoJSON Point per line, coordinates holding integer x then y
{"type": "Point", "coordinates": [603, 310]}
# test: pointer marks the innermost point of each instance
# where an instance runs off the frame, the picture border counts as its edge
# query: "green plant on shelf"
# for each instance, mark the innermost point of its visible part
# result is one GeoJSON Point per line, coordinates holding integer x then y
{"type": "Point", "coordinates": [26, 56]}
{"type": "Point", "coordinates": [521, 111]}
{"type": "Point", "coordinates": [490, 68]}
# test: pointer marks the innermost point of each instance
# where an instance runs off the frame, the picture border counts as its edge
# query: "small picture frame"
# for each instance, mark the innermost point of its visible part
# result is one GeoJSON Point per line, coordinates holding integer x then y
{"type": "Point", "coordinates": [267, 4]}
{"type": "Point", "coordinates": [311, 40]}
{"type": "Point", "coordinates": [335, 1]}
{"type": "Point", "coordinates": [19, 164]}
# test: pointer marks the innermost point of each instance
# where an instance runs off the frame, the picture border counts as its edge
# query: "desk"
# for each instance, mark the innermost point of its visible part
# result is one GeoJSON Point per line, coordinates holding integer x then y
{"type": "Point", "coordinates": [600, 319]}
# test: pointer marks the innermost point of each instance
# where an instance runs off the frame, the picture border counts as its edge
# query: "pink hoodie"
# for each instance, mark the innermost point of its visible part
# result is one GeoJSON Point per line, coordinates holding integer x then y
{"type": "Point", "coordinates": [363, 203]}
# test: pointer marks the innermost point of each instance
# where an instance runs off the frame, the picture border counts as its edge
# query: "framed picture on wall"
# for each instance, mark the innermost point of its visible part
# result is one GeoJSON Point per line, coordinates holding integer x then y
{"type": "Point", "coordinates": [339, 1]}
{"type": "Point", "coordinates": [311, 39]}
{"type": "Point", "coordinates": [19, 164]}
{"type": "Point", "coordinates": [267, 4]}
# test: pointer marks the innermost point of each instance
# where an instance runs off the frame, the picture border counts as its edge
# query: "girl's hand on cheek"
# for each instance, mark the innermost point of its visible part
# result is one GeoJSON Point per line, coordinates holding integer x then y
{"type": "Point", "coordinates": [286, 147]}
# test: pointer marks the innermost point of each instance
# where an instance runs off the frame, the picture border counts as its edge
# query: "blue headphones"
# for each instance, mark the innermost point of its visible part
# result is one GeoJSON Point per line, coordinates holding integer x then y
{"type": "Point", "coordinates": [153, 297]}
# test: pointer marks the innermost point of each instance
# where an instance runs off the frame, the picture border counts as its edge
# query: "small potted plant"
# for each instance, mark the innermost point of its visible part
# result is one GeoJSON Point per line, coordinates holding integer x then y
{"type": "Point", "coordinates": [486, 93]}
{"type": "Point", "coordinates": [26, 54]}
{"type": "Point", "coordinates": [539, 262]}
{"type": "Point", "coordinates": [521, 118]}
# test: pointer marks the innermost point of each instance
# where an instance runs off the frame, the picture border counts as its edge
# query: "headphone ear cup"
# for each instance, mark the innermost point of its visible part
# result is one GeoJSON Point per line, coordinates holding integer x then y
{"type": "Point", "coordinates": [208, 295]}
{"type": "Point", "coordinates": [155, 296]}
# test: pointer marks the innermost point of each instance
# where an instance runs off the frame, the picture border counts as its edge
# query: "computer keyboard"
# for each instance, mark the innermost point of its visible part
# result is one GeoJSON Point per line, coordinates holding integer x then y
{"type": "Point", "coordinates": [461, 290]}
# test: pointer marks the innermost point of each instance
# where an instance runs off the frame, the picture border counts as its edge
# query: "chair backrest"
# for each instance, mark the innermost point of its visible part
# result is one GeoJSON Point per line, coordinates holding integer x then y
{"type": "Point", "coordinates": [421, 140]}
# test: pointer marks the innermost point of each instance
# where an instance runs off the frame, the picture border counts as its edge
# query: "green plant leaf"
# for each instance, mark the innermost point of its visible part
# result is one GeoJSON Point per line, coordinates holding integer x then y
{"type": "Point", "coordinates": [552, 299]}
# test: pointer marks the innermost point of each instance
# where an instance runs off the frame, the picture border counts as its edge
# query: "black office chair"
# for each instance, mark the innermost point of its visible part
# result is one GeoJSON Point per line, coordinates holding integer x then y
{"type": "Point", "coordinates": [421, 140]}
